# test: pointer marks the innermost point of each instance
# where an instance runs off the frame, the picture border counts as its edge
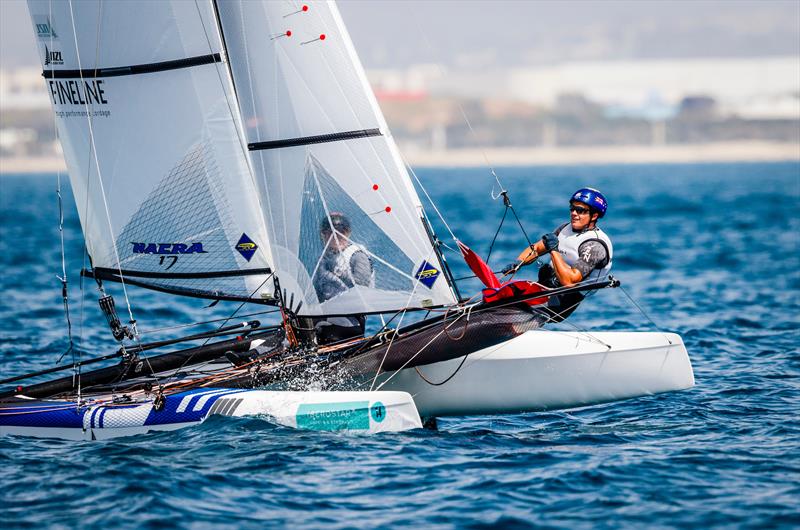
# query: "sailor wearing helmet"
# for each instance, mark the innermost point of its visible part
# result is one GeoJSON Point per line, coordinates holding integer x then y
{"type": "Point", "coordinates": [579, 250]}
{"type": "Point", "coordinates": [343, 265]}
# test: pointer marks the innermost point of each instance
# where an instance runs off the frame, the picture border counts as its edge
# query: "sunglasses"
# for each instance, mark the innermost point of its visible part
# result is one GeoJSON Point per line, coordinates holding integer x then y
{"type": "Point", "coordinates": [580, 210]}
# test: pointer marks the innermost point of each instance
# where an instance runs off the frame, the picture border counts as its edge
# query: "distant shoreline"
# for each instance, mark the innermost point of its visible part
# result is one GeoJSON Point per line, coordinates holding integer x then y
{"type": "Point", "coordinates": [617, 154]}
{"type": "Point", "coordinates": [745, 151]}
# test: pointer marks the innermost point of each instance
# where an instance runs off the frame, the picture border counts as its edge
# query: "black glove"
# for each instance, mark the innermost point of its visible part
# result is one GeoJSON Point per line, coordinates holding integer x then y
{"type": "Point", "coordinates": [512, 267]}
{"type": "Point", "coordinates": [550, 242]}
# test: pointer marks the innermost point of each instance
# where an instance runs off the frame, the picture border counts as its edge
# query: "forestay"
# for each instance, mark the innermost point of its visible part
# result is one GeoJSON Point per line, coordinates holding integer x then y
{"type": "Point", "coordinates": [324, 158]}
{"type": "Point", "coordinates": [147, 119]}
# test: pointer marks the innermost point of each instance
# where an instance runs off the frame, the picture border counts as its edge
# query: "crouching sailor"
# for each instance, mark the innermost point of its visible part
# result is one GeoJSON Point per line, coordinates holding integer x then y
{"type": "Point", "coordinates": [579, 250]}
{"type": "Point", "coordinates": [343, 265]}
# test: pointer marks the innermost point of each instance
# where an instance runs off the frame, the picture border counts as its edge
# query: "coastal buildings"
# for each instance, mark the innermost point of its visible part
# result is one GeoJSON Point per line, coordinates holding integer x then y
{"type": "Point", "coordinates": [587, 104]}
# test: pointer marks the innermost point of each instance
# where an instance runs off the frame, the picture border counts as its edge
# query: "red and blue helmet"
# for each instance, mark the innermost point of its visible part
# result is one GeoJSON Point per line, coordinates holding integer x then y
{"type": "Point", "coordinates": [591, 198]}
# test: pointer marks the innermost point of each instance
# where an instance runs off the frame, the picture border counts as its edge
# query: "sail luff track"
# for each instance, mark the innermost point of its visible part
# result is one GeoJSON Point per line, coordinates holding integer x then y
{"type": "Point", "coordinates": [135, 69]}
{"type": "Point", "coordinates": [317, 139]}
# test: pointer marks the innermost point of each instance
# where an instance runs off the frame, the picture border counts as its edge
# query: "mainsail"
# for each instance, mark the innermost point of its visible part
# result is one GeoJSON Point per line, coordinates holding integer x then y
{"type": "Point", "coordinates": [147, 118]}
{"type": "Point", "coordinates": [324, 159]}
{"type": "Point", "coordinates": [212, 144]}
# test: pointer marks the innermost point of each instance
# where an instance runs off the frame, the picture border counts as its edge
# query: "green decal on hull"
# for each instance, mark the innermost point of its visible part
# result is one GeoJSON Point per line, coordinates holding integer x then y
{"type": "Point", "coordinates": [378, 411]}
{"type": "Point", "coordinates": [353, 415]}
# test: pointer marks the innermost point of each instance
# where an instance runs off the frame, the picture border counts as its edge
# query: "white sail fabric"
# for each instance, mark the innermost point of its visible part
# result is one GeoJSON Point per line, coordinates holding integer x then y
{"type": "Point", "coordinates": [147, 118]}
{"type": "Point", "coordinates": [324, 158]}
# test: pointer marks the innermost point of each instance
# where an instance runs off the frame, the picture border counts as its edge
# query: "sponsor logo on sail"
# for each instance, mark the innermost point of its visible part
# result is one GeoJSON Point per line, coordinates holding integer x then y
{"type": "Point", "coordinates": [52, 57]}
{"type": "Point", "coordinates": [427, 274]}
{"type": "Point", "coordinates": [246, 247]}
{"type": "Point", "coordinates": [168, 248]}
{"type": "Point", "coordinates": [44, 28]}
{"type": "Point", "coordinates": [78, 92]}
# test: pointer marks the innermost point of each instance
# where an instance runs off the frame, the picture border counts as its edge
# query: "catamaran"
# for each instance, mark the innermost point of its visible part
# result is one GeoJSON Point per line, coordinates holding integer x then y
{"type": "Point", "coordinates": [225, 150]}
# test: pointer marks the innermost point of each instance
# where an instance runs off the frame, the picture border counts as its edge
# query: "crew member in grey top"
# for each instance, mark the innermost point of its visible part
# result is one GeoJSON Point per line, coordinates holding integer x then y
{"type": "Point", "coordinates": [343, 265]}
{"type": "Point", "coordinates": [579, 250]}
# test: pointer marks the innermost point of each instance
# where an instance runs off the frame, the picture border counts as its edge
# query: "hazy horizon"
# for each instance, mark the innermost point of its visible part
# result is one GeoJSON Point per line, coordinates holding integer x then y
{"type": "Point", "coordinates": [477, 34]}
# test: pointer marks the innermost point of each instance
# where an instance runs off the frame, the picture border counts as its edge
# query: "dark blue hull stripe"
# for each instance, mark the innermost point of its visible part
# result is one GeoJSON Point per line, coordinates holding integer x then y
{"type": "Point", "coordinates": [70, 415]}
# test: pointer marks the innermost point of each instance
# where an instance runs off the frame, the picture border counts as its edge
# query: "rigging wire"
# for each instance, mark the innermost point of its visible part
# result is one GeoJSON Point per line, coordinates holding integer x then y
{"type": "Point", "coordinates": [464, 358]}
{"type": "Point", "coordinates": [430, 200]}
{"type": "Point", "coordinates": [445, 327]}
{"type": "Point", "coordinates": [503, 193]}
{"type": "Point", "coordinates": [642, 311]}
{"type": "Point", "coordinates": [558, 314]}
{"type": "Point", "coordinates": [93, 149]}
{"type": "Point", "coordinates": [506, 201]}
{"type": "Point", "coordinates": [509, 206]}
{"type": "Point", "coordinates": [224, 321]}
{"type": "Point", "coordinates": [394, 335]}
{"type": "Point", "coordinates": [497, 233]}
{"type": "Point", "coordinates": [463, 113]}
{"type": "Point", "coordinates": [503, 190]}
{"type": "Point", "coordinates": [63, 278]}
{"type": "Point", "coordinates": [193, 324]}
{"type": "Point", "coordinates": [448, 378]}
{"type": "Point", "coordinates": [435, 241]}
{"type": "Point", "coordinates": [468, 311]}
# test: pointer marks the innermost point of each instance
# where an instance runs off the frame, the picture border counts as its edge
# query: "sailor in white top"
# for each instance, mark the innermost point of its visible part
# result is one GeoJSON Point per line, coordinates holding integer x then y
{"type": "Point", "coordinates": [579, 250]}
{"type": "Point", "coordinates": [344, 265]}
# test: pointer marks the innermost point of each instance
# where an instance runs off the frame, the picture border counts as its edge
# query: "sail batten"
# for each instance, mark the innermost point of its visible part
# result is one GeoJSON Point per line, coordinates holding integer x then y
{"type": "Point", "coordinates": [179, 275]}
{"type": "Point", "coordinates": [170, 288]}
{"type": "Point", "coordinates": [316, 139]}
{"type": "Point", "coordinates": [147, 68]}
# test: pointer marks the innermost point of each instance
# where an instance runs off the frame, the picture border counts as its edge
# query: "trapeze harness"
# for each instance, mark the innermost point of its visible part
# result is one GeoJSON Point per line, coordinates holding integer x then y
{"type": "Point", "coordinates": [569, 245]}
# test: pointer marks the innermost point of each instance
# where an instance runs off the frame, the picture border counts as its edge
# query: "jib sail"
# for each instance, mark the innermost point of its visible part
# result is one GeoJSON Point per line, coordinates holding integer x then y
{"type": "Point", "coordinates": [146, 116]}
{"type": "Point", "coordinates": [344, 219]}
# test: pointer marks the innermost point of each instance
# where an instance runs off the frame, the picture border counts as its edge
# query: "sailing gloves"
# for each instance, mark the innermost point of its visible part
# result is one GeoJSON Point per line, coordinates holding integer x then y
{"type": "Point", "coordinates": [512, 267]}
{"type": "Point", "coordinates": [550, 242]}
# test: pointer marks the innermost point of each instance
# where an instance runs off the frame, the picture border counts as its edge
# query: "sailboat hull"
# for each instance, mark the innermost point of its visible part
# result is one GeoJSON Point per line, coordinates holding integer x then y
{"type": "Point", "coordinates": [548, 370]}
{"type": "Point", "coordinates": [326, 411]}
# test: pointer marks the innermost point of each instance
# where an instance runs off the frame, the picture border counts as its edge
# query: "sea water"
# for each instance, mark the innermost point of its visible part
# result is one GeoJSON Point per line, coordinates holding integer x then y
{"type": "Point", "coordinates": [709, 251]}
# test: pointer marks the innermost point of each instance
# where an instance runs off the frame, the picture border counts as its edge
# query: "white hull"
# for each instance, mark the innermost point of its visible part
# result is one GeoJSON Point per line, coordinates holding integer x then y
{"type": "Point", "coordinates": [547, 370]}
{"type": "Point", "coordinates": [539, 370]}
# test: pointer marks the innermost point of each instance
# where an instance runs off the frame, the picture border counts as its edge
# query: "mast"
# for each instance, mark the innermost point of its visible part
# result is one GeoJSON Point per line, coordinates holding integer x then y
{"type": "Point", "coordinates": [437, 247]}
{"type": "Point", "coordinates": [218, 25]}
